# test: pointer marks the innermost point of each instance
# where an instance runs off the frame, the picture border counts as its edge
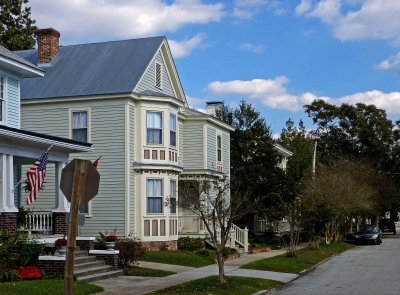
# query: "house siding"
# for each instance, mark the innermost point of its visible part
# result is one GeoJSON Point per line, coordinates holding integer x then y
{"type": "Point", "coordinates": [180, 137]}
{"type": "Point", "coordinates": [193, 153]}
{"type": "Point", "coordinates": [13, 103]}
{"type": "Point", "coordinates": [226, 152]}
{"type": "Point", "coordinates": [148, 80]}
{"type": "Point", "coordinates": [107, 119]}
{"type": "Point", "coordinates": [211, 148]}
{"type": "Point", "coordinates": [132, 202]}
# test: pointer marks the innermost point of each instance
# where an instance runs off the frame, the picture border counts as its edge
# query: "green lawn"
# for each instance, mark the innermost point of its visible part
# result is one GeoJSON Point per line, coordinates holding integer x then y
{"type": "Point", "coordinates": [46, 287]}
{"type": "Point", "coordinates": [306, 258]}
{"type": "Point", "coordinates": [146, 272]}
{"type": "Point", "coordinates": [179, 257]}
{"type": "Point", "coordinates": [210, 285]}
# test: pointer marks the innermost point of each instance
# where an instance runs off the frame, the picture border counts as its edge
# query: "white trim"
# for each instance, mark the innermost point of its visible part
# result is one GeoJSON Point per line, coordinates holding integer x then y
{"type": "Point", "coordinates": [4, 116]}
{"type": "Point", "coordinates": [163, 213]}
{"type": "Point", "coordinates": [127, 171]}
{"type": "Point", "coordinates": [50, 257]}
{"type": "Point", "coordinates": [162, 129]}
{"type": "Point", "coordinates": [36, 72]}
{"type": "Point", "coordinates": [103, 252]}
{"type": "Point", "coordinates": [205, 156]}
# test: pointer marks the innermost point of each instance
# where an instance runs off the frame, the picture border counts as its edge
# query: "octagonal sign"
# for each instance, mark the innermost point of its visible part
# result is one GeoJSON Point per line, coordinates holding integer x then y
{"type": "Point", "coordinates": [90, 184]}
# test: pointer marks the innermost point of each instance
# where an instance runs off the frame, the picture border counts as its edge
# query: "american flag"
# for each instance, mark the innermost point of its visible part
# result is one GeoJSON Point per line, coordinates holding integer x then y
{"type": "Point", "coordinates": [35, 176]}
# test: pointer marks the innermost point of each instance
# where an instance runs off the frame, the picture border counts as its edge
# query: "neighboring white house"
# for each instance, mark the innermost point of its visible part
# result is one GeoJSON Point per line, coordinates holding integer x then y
{"type": "Point", "coordinates": [19, 146]}
{"type": "Point", "coordinates": [126, 98]}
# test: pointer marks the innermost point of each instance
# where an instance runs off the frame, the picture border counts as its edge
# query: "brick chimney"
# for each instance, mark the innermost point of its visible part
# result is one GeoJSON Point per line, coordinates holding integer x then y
{"type": "Point", "coordinates": [48, 43]}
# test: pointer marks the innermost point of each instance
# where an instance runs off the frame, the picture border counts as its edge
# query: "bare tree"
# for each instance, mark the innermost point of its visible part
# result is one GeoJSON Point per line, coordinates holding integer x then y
{"type": "Point", "coordinates": [210, 199]}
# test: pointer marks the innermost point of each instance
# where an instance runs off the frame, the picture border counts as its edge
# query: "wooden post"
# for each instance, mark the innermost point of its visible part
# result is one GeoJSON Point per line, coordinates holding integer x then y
{"type": "Point", "coordinates": [78, 189]}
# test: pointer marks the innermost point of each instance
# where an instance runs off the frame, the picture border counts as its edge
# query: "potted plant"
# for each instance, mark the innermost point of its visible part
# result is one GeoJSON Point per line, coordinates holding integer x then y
{"type": "Point", "coordinates": [61, 245]}
{"type": "Point", "coordinates": [110, 241]}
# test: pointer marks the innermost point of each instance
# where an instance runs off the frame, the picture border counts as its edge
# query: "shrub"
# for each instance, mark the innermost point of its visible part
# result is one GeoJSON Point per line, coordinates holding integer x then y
{"type": "Point", "coordinates": [190, 244]}
{"type": "Point", "coordinates": [31, 272]}
{"type": "Point", "coordinates": [163, 246]}
{"type": "Point", "coordinates": [228, 251]}
{"type": "Point", "coordinates": [130, 249]}
{"type": "Point", "coordinates": [9, 276]}
{"type": "Point", "coordinates": [206, 253]}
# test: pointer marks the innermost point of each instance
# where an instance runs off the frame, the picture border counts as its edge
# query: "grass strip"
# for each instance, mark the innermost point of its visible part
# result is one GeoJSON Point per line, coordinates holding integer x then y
{"type": "Point", "coordinates": [210, 285]}
{"type": "Point", "coordinates": [305, 259]}
{"type": "Point", "coordinates": [46, 287]}
{"type": "Point", "coordinates": [179, 257]}
{"type": "Point", "coordinates": [146, 272]}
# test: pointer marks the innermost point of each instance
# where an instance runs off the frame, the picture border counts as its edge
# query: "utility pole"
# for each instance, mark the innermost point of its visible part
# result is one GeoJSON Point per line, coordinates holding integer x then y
{"type": "Point", "coordinates": [314, 159]}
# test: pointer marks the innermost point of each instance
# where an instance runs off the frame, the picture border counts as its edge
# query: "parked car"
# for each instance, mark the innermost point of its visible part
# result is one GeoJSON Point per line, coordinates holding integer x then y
{"type": "Point", "coordinates": [369, 234]}
{"type": "Point", "coordinates": [387, 225]}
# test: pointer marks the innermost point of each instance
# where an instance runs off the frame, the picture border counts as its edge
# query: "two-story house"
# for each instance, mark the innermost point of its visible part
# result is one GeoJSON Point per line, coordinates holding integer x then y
{"type": "Point", "coordinates": [19, 146]}
{"type": "Point", "coordinates": [126, 98]}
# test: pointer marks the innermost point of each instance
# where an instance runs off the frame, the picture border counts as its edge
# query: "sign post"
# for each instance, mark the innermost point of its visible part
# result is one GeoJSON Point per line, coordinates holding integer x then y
{"type": "Point", "coordinates": [79, 183]}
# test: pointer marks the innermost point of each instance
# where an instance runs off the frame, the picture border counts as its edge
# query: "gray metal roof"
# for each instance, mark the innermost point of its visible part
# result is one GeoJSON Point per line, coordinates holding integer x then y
{"type": "Point", "coordinates": [90, 69]}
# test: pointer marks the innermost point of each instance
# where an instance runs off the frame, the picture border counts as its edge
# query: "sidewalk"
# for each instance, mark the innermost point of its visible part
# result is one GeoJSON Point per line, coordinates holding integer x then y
{"type": "Point", "coordinates": [141, 285]}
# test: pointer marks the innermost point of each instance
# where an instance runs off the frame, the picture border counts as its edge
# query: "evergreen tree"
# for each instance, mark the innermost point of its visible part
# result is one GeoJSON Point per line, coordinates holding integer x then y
{"type": "Point", "coordinates": [17, 29]}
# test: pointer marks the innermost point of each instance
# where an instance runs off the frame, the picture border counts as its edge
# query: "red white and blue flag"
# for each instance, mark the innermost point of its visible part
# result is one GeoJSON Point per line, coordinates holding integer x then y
{"type": "Point", "coordinates": [35, 176]}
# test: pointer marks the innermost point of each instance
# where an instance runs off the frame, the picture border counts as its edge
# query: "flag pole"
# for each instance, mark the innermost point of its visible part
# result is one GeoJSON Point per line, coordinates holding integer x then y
{"type": "Point", "coordinates": [48, 149]}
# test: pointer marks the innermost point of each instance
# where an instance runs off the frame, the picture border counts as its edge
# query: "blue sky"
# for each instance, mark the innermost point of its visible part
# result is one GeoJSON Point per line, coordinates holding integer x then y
{"type": "Point", "coordinates": [276, 54]}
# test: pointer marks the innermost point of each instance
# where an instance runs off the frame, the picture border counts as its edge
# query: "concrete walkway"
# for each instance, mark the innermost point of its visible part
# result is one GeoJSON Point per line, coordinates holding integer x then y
{"type": "Point", "coordinates": [141, 285]}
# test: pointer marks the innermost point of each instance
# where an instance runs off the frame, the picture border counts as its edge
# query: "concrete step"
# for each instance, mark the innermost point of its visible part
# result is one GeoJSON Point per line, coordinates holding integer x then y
{"type": "Point", "coordinates": [80, 253]}
{"type": "Point", "coordinates": [100, 276]}
{"type": "Point", "coordinates": [92, 270]}
{"type": "Point", "coordinates": [79, 266]}
{"type": "Point", "coordinates": [84, 259]}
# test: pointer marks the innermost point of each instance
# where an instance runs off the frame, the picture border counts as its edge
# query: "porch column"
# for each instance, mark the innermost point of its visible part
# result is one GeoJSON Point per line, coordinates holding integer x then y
{"type": "Point", "coordinates": [8, 212]}
{"type": "Point", "coordinates": [62, 205]}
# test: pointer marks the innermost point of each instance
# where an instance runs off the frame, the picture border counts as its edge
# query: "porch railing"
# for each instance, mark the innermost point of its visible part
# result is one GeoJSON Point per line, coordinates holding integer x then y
{"type": "Point", "coordinates": [240, 236]}
{"type": "Point", "coordinates": [39, 221]}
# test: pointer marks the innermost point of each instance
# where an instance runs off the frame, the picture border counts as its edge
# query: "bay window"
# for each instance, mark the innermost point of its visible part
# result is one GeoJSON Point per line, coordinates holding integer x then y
{"type": "Point", "coordinates": [154, 192]}
{"type": "Point", "coordinates": [154, 127]}
{"type": "Point", "coordinates": [173, 196]}
{"type": "Point", "coordinates": [172, 132]}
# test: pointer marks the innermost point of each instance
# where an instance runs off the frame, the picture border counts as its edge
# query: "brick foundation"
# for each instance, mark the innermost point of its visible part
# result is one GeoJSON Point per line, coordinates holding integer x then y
{"type": "Point", "coordinates": [52, 268]}
{"type": "Point", "coordinates": [155, 246]}
{"type": "Point", "coordinates": [8, 221]}
{"type": "Point", "coordinates": [59, 225]}
{"type": "Point", "coordinates": [85, 244]}
{"type": "Point", "coordinates": [109, 260]}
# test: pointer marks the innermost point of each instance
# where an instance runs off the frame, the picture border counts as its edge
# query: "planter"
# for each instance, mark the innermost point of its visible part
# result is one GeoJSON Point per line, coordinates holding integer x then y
{"type": "Point", "coordinates": [110, 246]}
{"type": "Point", "coordinates": [259, 250]}
{"type": "Point", "coordinates": [62, 250]}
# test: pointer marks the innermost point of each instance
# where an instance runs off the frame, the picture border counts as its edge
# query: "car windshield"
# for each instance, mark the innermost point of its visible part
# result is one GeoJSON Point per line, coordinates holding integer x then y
{"type": "Point", "coordinates": [369, 230]}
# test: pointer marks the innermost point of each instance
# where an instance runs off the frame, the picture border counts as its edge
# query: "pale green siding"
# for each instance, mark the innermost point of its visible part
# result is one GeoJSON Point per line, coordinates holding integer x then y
{"type": "Point", "coordinates": [180, 144]}
{"type": "Point", "coordinates": [107, 122]}
{"type": "Point", "coordinates": [193, 154]}
{"type": "Point", "coordinates": [13, 103]}
{"type": "Point", "coordinates": [132, 201]}
{"type": "Point", "coordinates": [211, 148]}
{"type": "Point", "coordinates": [226, 152]}
{"type": "Point", "coordinates": [148, 80]}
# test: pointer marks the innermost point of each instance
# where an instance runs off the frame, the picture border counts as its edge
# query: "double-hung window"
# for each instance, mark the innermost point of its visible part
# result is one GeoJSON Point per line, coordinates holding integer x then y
{"type": "Point", "coordinates": [154, 128]}
{"type": "Point", "coordinates": [219, 148]}
{"type": "Point", "coordinates": [2, 99]}
{"type": "Point", "coordinates": [172, 131]}
{"type": "Point", "coordinates": [80, 126]}
{"type": "Point", "coordinates": [173, 196]}
{"type": "Point", "coordinates": [154, 196]}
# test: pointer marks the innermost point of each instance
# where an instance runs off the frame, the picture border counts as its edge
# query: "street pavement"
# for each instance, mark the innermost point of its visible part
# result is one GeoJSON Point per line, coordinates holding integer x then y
{"type": "Point", "coordinates": [141, 285]}
{"type": "Point", "coordinates": [365, 270]}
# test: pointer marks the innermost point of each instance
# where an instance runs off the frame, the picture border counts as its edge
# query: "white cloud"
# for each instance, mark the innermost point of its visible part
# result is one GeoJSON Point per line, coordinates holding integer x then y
{"type": "Point", "coordinates": [274, 94]}
{"type": "Point", "coordinates": [196, 103]}
{"type": "Point", "coordinates": [245, 9]}
{"type": "Point", "coordinates": [303, 7]}
{"type": "Point", "coordinates": [184, 48]}
{"type": "Point", "coordinates": [390, 64]}
{"type": "Point", "coordinates": [92, 20]}
{"type": "Point", "coordinates": [357, 19]}
{"type": "Point", "coordinates": [252, 47]}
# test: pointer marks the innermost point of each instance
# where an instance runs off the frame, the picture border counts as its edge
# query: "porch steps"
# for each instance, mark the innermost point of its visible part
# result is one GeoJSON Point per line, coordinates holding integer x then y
{"type": "Point", "coordinates": [89, 269]}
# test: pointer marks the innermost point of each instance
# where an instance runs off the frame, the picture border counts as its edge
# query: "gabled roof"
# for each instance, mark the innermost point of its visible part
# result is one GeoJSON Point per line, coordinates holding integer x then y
{"type": "Point", "coordinates": [91, 69]}
{"type": "Point", "coordinates": [17, 65]}
{"type": "Point", "coordinates": [283, 151]}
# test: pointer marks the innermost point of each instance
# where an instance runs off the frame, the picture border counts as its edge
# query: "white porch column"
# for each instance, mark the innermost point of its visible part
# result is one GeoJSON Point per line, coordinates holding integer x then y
{"type": "Point", "coordinates": [7, 184]}
{"type": "Point", "coordinates": [62, 205]}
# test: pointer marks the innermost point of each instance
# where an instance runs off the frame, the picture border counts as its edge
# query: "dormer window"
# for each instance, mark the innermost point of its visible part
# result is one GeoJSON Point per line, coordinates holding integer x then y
{"type": "Point", "coordinates": [158, 76]}
{"type": "Point", "coordinates": [2, 100]}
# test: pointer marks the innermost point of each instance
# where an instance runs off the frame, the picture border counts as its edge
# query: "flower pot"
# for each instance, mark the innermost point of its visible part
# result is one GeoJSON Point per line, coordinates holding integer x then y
{"type": "Point", "coordinates": [62, 250]}
{"type": "Point", "coordinates": [110, 246]}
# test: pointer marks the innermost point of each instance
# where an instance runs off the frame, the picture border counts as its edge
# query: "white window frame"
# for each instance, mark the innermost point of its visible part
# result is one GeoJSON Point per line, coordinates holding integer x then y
{"type": "Point", "coordinates": [174, 131]}
{"type": "Point", "coordinates": [89, 213]}
{"type": "Point", "coordinates": [89, 122]}
{"type": "Point", "coordinates": [3, 99]}
{"type": "Point", "coordinates": [162, 196]}
{"type": "Point", "coordinates": [162, 128]}
{"type": "Point", "coordinates": [156, 64]}
{"type": "Point", "coordinates": [219, 149]}
{"type": "Point", "coordinates": [173, 183]}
